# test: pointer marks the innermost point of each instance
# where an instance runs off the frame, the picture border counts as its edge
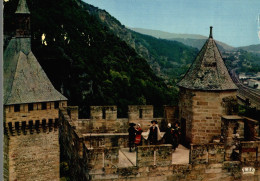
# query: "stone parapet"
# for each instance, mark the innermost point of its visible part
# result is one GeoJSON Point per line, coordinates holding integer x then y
{"type": "Point", "coordinates": [103, 158]}
{"type": "Point", "coordinates": [103, 112]}
{"type": "Point", "coordinates": [249, 153]}
{"type": "Point", "coordinates": [207, 153]}
{"type": "Point", "coordinates": [159, 155]}
{"type": "Point", "coordinates": [95, 140]}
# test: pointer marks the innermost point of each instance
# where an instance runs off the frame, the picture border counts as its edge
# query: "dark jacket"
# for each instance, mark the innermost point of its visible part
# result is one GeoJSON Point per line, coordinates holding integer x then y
{"type": "Point", "coordinates": [153, 135]}
{"type": "Point", "coordinates": [131, 132]}
{"type": "Point", "coordinates": [168, 136]}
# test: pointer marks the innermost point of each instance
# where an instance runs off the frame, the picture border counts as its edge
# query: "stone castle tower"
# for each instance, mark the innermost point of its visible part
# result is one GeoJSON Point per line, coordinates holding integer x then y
{"type": "Point", "coordinates": [31, 110]}
{"type": "Point", "coordinates": [205, 91]}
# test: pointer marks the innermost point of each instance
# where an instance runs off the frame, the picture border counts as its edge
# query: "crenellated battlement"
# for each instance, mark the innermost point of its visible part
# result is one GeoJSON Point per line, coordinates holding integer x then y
{"type": "Point", "coordinates": [31, 126]}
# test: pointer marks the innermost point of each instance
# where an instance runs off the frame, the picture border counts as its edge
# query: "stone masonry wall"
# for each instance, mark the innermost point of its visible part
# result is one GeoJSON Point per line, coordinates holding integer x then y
{"type": "Point", "coordinates": [154, 155]}
{"type": "Point", "coordinates": [34, 156]}
{"type": "Point", "coordinates": [185, 112]}
{"type": "Point", "coordinates": [250, 153]}
{"type": "Point", "coordinates": [207, 154]}
{"type": "Point", "coordinates": [73, 150]}
{"type": "Point", "coordinates": [33, 145]}
{"type": "Point", "coordinates": [103, 112]}
{"type": "Point", "coordinates": [141, 114]}
{"type": "Point", "coordinates": [103, 125]}
{"type": "Point", "coordinates": [170, 114]}
{"type": "Point", "coordinates": [207, 162]}
{"type": "Point", "coordinates": [6, 158]}
{"type": "Point", "coordinates": [207, 108]}
{"type": "Point", "coordinates": [100, 158]}
{"type": "Point", "coordinates": [226, 171]}
{"type": "Point", "coordinates": [106, 140]}
{"type": "Point", "coordinates": [37, 114]}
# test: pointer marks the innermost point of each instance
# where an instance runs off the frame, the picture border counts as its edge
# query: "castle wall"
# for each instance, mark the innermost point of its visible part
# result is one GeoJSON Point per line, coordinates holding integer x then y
{"type": "Point", "coordinates": [34, 156]}
{"type": "Point", "coordinates": [141, 114]}
{"type": "Point", "coordinates": [207, 161]}
{"type": "Point", "coordinates": [103, 119]}
{"type": "Point", "coordinates": [33, 146]}
{"type": "Point", "coordinates": [106, 140]}
{"type": "Point", "coordinates": [6, 158]}
{"type": "Point", "coordinates": [208, 107]}
{"type": "Point", "coordinates": [36, 114]}
{"type": "Point", "coordinates": [103, 125]}
{"type": "Point", "coordinates": [103, 112]}
{"type": "Point", "coordinates": [202, 111]}
{"type": "Point", "coordinates": [186, 113]}
{"type": "Point", "coordinates": [154, 155]}
{"type": "Point", "coordinates": [170, 113]}
{"type": "Point", "coordinates": [73, 151]}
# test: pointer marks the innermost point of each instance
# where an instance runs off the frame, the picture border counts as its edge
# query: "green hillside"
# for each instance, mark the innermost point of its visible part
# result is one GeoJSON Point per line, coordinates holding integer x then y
{"type": "Point", "coordinates": [167, 35]}
{"type": "Point", "coordinates": [85, 60]}
{"type": "Point", "coordinates": [193, 40]}
{"type": "Point", "coordinates": [168, 59]}
{"type": "Point", "coordinates": [251, 48]}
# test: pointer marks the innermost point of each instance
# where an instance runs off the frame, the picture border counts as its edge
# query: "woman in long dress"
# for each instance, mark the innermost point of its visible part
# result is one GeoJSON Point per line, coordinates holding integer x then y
{"type": "Point", "coordinates": [168, 136]}
{"type": "Point", "coordinates": [138, 136]}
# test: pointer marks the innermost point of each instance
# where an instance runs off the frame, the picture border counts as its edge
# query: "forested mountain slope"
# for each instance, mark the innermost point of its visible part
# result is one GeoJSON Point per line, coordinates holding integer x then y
{"type": "Point", "coordinates": [168, 59]}
{"type": "Point", "coordinates": [85, 60]}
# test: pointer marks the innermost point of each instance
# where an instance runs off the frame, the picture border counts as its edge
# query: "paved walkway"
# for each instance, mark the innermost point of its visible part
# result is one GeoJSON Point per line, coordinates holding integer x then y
{"type": "Point", "coordinates": [180, 155]}
{"type": "Point", "coordinates": [126, 158]}
{"type": "Point", "coordinates": [131, 156]}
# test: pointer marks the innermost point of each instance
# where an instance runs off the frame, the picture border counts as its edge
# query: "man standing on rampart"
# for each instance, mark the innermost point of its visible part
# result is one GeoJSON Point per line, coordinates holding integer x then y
{"type": "Point", "coordinates": [132, 132]}
{"type": "Point", "coordinates": [154, 133]}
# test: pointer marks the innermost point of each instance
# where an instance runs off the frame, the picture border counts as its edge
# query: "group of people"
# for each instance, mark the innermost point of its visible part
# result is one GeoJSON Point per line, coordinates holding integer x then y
{"type": "Point", "coordinates": [171, 136]}
{"type": "Point", "coordinates": [135, 136]}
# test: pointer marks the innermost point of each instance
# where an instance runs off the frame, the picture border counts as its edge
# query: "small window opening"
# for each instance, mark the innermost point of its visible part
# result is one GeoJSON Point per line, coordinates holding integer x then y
{"type": "Point", "coordinates": [17, 108]}
{"type": "Point", "coordinates": [103, 113]}
{"type": "Point", "coordinates": [44, 105]}
{"type": "Point", "coordinates": [56, 105]}
{"type": "Point", "coordinates": [30, 107]}
{"type": "Point", "coordinates": [140, 113]}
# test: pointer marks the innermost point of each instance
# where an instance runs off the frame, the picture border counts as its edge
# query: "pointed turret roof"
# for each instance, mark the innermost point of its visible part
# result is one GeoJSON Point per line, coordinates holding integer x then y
{"type": "Point", "coordinates": [22, 7]}
{"type": "Point", "coordinates": [24, 79]}
{"type": "Point", "coordinates": [208, 71]}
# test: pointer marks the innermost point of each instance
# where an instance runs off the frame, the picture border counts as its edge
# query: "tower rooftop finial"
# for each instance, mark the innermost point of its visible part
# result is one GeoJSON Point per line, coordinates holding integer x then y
{"type": "Point", "coordinates": [22, 7]}
{"type": "Point", "coordinates": [210, 33]}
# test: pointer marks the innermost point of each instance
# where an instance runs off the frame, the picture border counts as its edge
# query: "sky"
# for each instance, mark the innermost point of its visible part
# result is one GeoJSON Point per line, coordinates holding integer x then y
{"type": "Point", "coordinates": [234, 21]}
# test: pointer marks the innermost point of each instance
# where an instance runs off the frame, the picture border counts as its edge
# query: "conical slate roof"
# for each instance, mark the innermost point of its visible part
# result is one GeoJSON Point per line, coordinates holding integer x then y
{"type": "Point", "coordinates": [24, 79]}
{"type": "Point", "coordinates": [208, 71]}
{"type": "Point", "coordinates": [22, 7]}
